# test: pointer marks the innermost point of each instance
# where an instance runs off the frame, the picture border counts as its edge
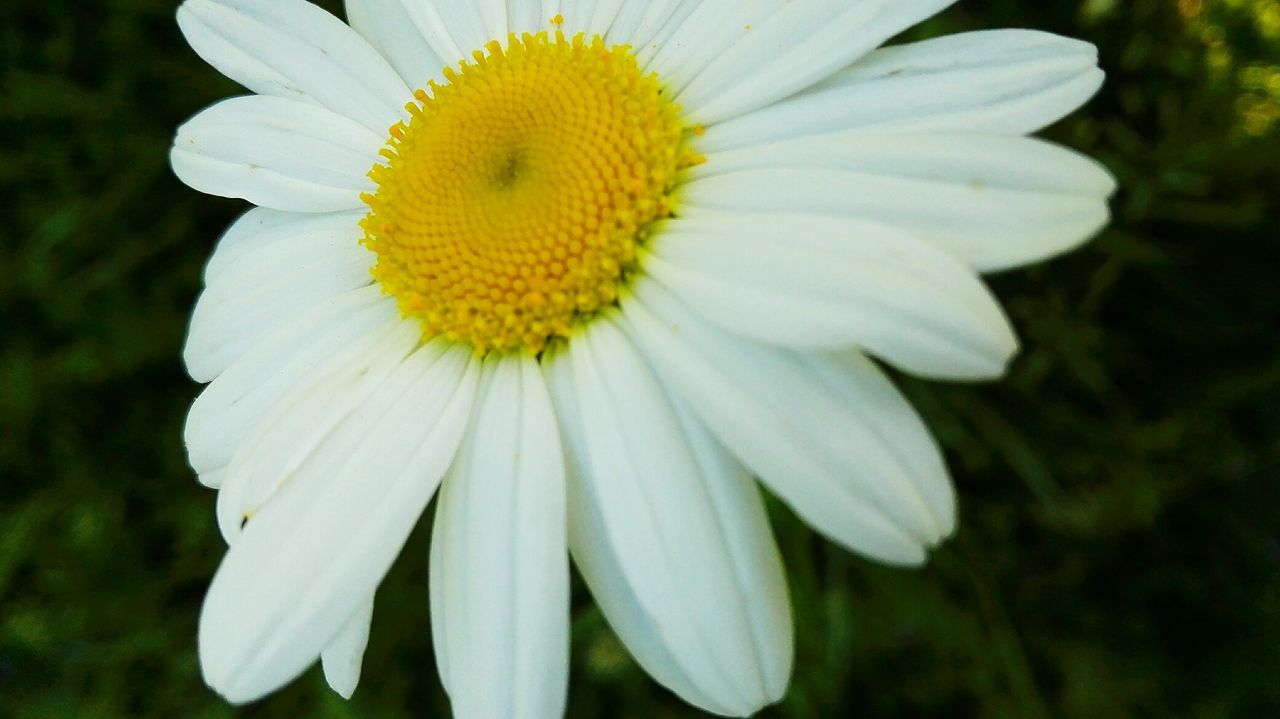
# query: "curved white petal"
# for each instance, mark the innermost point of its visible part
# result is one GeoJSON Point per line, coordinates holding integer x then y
{"type": "Point", "coordinates": [243, 236]}
{"type": "Point", "coordinates": [629, 25]}
{"type": "Point", "coordinates": [262, 277]}
{"type": "Point", "coordinates": [229, 408]}
{"type": "Point", "coordinates": [833, 440]}
{"type": "Point", "coordinates": [526, 16]}
{"type": "Point", "coordinates": [694, 38]}
{"type": "Point", "coordinates": [455, 29]}
{"type": "Point", "coordinates": [389, 27]}
{"type": "Point", "coordinates": [213, 478]}
{"type": "Point", "coordinates": [812, 282]}
{"type": "Point", "coordinates": [499, 557]}
{"type": "Point", "coordinates": [344, 656]}
{"type": "Point", "coordinates": [277, 153]}
{"type": "Point", "coordinates": [294, 49]}
{"type": "Point", "coordinates": [991, 201]}
{"type": "Point", "coordinates": [317, 551]}
{"type": "Point", "coordinates": [669, 533]}
{"type": "Point", "coordinates": [606, 12]}
{"type": "Point", "coordinates": [300, 422]}
{"type": "Point", "coordinates": [638, 21]}
{"type": "Point", "coordinates": [471, 24]}
{"type": "Point", "coordinates": [998, 81]}
{"type": "Point", "coordinates": [786, 51]}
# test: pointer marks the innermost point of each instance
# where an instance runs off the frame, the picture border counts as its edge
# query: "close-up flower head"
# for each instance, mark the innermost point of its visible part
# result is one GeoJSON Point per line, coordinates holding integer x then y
{"type": "Point", "coordinates": [587, 271]}
{"type": "Point", "coordinates": [635, 359]}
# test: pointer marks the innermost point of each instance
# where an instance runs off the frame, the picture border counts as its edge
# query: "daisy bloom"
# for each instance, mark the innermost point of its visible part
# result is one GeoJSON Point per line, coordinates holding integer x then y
{"type": "Point", "coordinates": [584, 271]}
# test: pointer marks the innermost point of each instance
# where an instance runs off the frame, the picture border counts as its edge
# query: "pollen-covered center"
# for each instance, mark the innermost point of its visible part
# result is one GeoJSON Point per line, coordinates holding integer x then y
{"type": "Point", "coordinates": [514, 197]}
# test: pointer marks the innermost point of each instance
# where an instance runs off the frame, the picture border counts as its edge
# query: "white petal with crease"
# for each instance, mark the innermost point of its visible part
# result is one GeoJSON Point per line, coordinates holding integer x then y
{"type": "Point", "coordinates": [846, 467]}
{"type": "Point", "coordinates": [388, 26]}
{"type": "Point", "coordinates": [998, 82]}
{"type": "Point", "coordinates": [669, 533]}
{"type": "Point", "coordinates": [261, 277]}
{"type": "Point", "coordinates": [637, 20]}
{"type": "Point", "coordinates": [294, 49]}
{"type": "Point", "coordinates": [499, 557]}
{"type": "Point", "coordinates": [786, 51]}
{"type": "Point", "coordinates": [344, 656]}
{"type": "Point", "coordinates": [812, 282]}
{"type": "Point", "coordinates": [277, 153]}
{"type": "Point", "coordinates": [992, 201]}
{"type": "Point", "coordinates": [229, 408]}
{"type": "Point", "coordinates": [317, 551]}
{"type": "Point", "coordinates": [300, 422]}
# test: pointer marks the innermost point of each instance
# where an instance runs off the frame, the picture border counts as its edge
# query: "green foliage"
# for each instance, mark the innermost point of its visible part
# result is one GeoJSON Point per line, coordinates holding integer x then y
{"type": "Point", "coordinates": [1119, 554]}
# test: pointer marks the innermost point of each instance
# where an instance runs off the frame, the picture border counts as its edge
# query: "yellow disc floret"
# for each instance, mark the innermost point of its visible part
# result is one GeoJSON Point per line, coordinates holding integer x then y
{"type": "Point", "coordinates": [513, 199]}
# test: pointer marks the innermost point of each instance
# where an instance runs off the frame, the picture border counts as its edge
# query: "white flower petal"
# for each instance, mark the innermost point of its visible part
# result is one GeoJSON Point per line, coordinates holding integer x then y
{"type": "Point", "coordinates": [638, 21]}
{"type": "Point", "coordinates": [470, 24]}
{"type": "Point", "coordinates": [242, 236]}
{"type": "Point", "coordinates": [224, 414]}
{"type": "Point", "coordinates": [527, 16]}
{"type": "Point", "coordinates": [317, 551]}
{"type": "Point", "coordinates": [499, 557]}
{"type": "Point", "coordinates": [593, 17]}
{"type": "Point", "coordinates": [811, 282]}
{"type": "Point", "coordinates": [789, 50]}
{"type": "Point", "coordinates": [757, 563]}
{"type": "Point", "coordinates": [389, 27]}
{"type": "Point", "coordinates": [294, 49]}
{"type": "Point", "coordinates": [850, 457]}
{"type": "Point", "coordinates": [692, 39]}
{"type": "Point", "coordinates": [992, 201]}
{"type": "Point", "coordinates": [269, 269]}
{"type": "Point", "coordinates": [277, 153]}
{"type": "Point", "coordinates": [344, 656]}
{"type": "Point", "coordinates": [213, 479]}
{"type": "Point", "coordinates": [606, 12]}
{"type": "Point", "coordinates": [997, 82]}
{"type": "Point", "coordinates": [297, 424]}
{"type": "Point", "coordinates": [670, 534]}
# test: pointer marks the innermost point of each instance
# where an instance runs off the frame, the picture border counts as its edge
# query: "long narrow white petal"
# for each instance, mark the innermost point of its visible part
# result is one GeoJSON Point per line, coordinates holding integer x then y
{"type": "Point", "coordinates": [472, 23]}
{"type": "Point", "coordinates": [228, 409]}
{"type": "Point", "coordinates": [527, 16]}
{"type": "Point", "coordinates": [277, 153]}
{"type": "Point", "coordinates": [606, 12]}
{"type": "Point", "coordinates": [810, 282]}
{"type": "Point", "coordinates": [593, 17]}
{"type": "Point", "coordinates": [242, 236]}
{"type": "Point", "coordinates": [389, 27]}
{"type": "Point", "coordinates": [343, 658]}
{"type": "Point", "coordinates": [757, 563]}
{"type": "Point", "coordinates": [294, 49]}
{"type": "Point", "coordinates": [669, 533]}
{"type": "Point", "coordinates": [793, 48]}
{"type": "Point", "coordinates": [577, 15]}
{"type": "Point", "coordinates": [317, 551]}
{"type": "Point", "coordinates": [840, 447]}
{"type": "Point", "coordinates": [1011, 82]}
{"type": "Point", "coordinates": [261, 277]}
{"type": "Point", "coordinates": [300, 422]}
{"type": "Point", "coordinates": [992, 201]}
{"type": "Point", "coordinates": [694, 39]}
{"type": "Point", "coordinates": [499, 557]}
{"type": "Point", "coordinates": [638, 21]}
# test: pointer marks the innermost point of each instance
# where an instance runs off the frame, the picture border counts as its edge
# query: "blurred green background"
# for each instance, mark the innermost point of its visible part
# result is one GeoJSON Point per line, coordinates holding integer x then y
{"type": "Point", "coordinates": [1120, 546]}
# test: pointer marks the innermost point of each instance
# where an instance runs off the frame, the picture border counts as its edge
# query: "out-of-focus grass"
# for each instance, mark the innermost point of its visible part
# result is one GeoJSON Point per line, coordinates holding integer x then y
{"type": "Point", "coordinates": [1120, 544]}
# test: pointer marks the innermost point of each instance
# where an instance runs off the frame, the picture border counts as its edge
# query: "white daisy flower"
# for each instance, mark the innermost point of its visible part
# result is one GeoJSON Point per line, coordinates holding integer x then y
{"type": "Point", "coordinates": [590, 268]}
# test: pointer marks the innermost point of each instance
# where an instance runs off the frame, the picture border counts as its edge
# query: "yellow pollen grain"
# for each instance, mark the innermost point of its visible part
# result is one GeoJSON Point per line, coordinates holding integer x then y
{"type": "Point", "coordinates": [513, 199]}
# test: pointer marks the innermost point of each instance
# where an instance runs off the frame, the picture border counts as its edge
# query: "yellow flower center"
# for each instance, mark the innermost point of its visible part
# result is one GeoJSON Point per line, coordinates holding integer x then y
{"type": "Point", "coordinates": [513, 199]}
